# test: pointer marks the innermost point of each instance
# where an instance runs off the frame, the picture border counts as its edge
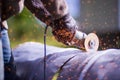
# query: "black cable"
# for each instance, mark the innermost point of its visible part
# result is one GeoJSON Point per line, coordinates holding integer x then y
{"type": "Point", "coordinates": [45, 33]}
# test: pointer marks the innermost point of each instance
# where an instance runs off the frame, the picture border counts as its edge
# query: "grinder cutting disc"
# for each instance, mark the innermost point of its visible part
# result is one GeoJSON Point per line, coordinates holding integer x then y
{"type": "Point", "coordinates": [91, 42]}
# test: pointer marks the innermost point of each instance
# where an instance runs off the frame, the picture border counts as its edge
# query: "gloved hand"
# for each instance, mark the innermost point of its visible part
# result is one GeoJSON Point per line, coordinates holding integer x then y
{"type": "Point", "coordinates": [65, 30]}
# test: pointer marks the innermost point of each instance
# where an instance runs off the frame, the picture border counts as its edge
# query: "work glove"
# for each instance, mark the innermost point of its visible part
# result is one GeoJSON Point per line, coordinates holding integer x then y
{"type": "Point", "coordinates": [66, 31]}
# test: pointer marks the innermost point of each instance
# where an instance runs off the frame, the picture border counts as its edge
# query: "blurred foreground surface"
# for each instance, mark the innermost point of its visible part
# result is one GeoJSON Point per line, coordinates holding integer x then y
{"type": "Point", "coordinates": [100, 65]}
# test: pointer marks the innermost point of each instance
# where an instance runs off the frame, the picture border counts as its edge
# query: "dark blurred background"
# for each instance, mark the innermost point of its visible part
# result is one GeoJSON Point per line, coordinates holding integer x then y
{"type": "Point", "coordinates": [99, 16]}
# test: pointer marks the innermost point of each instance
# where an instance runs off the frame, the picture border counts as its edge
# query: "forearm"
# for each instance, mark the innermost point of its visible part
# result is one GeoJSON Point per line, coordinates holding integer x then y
{"type": "Point", "coordinates": [37, 9]}
{"type": "Point", "coordinates": [64, 27]}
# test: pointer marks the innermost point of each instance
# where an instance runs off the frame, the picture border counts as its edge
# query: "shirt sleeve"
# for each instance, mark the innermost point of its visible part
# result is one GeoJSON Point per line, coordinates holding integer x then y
{"type": "Point", "coordinates": [37, 8]}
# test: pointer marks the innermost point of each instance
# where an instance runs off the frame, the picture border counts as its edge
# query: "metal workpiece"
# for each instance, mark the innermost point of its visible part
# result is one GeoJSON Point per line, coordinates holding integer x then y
{"type": "Point", "coordinates": [101, 65]}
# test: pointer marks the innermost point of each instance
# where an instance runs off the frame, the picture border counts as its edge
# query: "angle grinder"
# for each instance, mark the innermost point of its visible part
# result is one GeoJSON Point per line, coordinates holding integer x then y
{"type": "Point", "coordinates": [85, 42]}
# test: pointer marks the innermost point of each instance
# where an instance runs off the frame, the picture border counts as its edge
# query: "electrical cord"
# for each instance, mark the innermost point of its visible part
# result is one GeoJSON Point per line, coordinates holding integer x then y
{"type": "Point", "coordinates": [45, 33]}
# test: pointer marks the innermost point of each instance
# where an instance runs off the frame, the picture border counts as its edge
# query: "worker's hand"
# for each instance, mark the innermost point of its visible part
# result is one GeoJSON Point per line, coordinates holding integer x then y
{"type": "Point", "coordinates": [64, 29]}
